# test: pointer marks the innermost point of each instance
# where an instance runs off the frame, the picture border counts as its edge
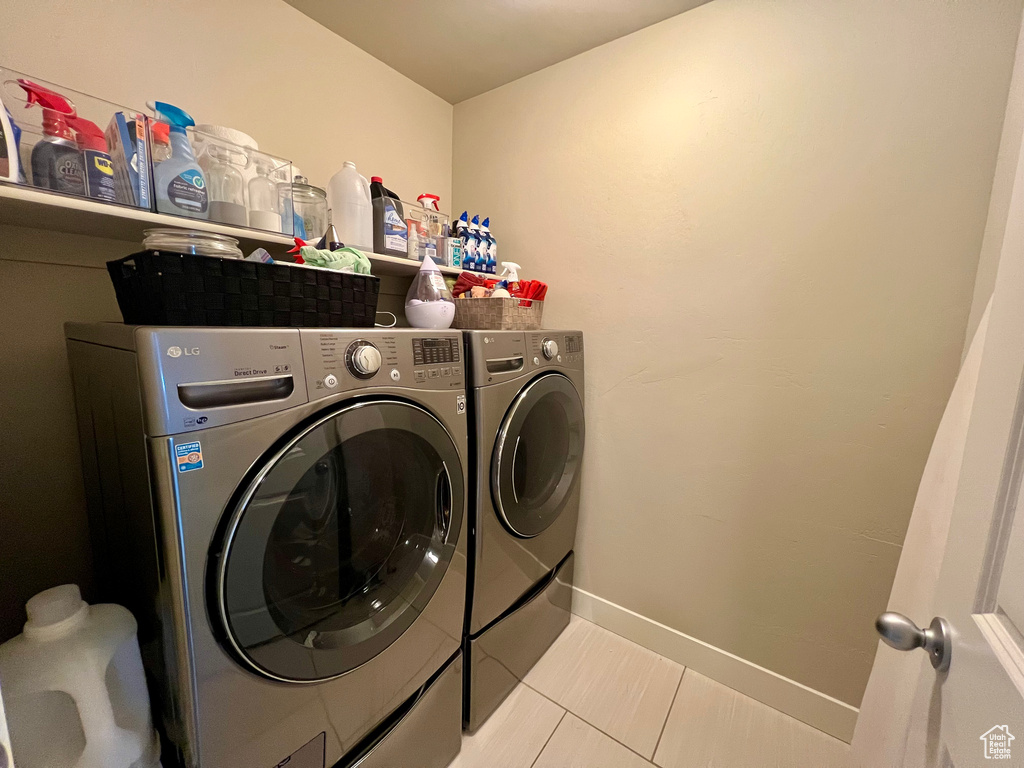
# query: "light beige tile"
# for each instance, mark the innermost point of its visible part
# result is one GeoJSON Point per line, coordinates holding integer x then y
{"type": "Point", "coordinates": [578, 745]}
{"type": "Point", "coordinates": [610, 682]}
{"type": "Point", "coordinates": [711, 725]}
{"type": "Point", "coordinates": [514, 735]}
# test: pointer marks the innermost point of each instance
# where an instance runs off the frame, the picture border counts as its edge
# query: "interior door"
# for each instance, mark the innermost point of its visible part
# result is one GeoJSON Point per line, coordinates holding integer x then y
{"type": "Point", "coordinates": [973, 712]}
{"type": "Point", "coordinates": [537, 455]}
{"type": "Point", "coordinates": [338, 542]}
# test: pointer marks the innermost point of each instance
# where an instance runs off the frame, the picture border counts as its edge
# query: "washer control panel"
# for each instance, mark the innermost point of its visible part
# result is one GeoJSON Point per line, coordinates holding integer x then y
{"type": "Point", "coordinates": [339, 360]}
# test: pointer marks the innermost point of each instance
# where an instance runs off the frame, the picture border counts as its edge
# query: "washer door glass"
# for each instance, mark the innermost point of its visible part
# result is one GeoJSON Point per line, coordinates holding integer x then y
{"type": "Point", "coordinates": [340, 540]}
{"type": "Point", "coordinates": [537, 455]}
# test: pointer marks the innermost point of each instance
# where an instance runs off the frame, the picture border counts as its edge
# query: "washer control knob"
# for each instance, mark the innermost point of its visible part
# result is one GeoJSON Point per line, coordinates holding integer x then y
{"type": "Point", "coordinates": [364, 359]}
{"type": "Point", "coordinates": [549, 348]}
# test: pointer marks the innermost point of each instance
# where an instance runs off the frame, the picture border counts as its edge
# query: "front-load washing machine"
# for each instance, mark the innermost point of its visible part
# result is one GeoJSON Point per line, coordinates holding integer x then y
{"type": "Point", "coordinates": [526, 399]}
{"type": "Point", "coordinates": [283, 511]}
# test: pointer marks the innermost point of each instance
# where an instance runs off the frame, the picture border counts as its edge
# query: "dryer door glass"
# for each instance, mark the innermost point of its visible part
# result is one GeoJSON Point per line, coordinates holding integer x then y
{"type": "Point", "coordinates": [536, 461]}
{"type": "Point", "coordinates": [339, 541]}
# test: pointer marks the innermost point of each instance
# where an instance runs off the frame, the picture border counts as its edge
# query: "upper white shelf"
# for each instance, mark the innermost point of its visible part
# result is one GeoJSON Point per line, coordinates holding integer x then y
{"type": "Point", "coordinates": [26, 207]}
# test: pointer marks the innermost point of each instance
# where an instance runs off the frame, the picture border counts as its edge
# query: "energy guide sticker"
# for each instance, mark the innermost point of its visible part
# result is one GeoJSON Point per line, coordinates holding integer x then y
{"type": "Point", "coordinates": [189, 456]}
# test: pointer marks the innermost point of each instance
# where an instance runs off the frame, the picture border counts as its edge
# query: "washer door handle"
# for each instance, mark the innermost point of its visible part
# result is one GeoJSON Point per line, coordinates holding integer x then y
{"type": "Point", "coordinates": [515, 455]}
{"type": "Point", "coordinates": [443, 500]}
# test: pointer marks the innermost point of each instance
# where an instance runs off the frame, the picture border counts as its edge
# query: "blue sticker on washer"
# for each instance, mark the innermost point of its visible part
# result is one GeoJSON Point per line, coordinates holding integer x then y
{"type": "Point", "coordinates": [189, 456]}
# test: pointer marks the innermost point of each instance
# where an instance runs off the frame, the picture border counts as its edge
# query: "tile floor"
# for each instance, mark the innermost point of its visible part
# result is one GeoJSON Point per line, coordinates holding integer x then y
{"type": "Point", "coordinates": [596, 700]}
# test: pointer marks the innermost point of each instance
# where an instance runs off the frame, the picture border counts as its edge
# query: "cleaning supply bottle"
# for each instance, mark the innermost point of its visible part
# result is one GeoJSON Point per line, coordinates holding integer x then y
{"type": "Point", "coordinates": [479, 257]}
{"type": "Point", "coordinates": [161, 133]}
{"type": "Point", "coordinates": [56, 161]}
{"type": "Point", "coordinates": [509, 276]}
{"type": "Point", "coordinates": [390, 233]}
{"type": "Point", "coordinates": [10, 137]}
{"type": "Point", "coordinates": [492, 247]}
{"type": "Point", "coordinates": [86, 658]}
{"type": "Point", "coordinates": [469, 243]}
{"type": "Point", "coordinates": [97, 166]}
{"type": "Point", "coordinates": [348, 197]}
{"type": "Point", "coordinates": [482, 248]}
{"type": "Point", "coordinates": [180, 183]}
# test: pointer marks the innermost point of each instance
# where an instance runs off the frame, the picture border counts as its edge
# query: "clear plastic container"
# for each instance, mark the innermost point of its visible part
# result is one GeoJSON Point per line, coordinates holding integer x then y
{"type": "Point", "coordinates": [64, 141]}
{"type": "Point", "coordinates": [231, 186]}
{"type": "Point", "coordinates": [74, 687]}
{"type": "Point", "coordinates": [191, 241]}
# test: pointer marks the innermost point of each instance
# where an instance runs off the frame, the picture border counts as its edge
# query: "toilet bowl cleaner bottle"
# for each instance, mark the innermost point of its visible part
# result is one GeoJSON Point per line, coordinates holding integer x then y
{"type": "Point", "coordinates": [56, 160]}
{"type": "Point", "coordinates": [180, 183]}
{"type": "Point", "coordinates": [98, 170]}
{"type": "Point", "coordinates": [469, 243]}
{"type": "Point", "coordinates": [479, 256]}
{"type": "Point", "coordinates": [491, 265]}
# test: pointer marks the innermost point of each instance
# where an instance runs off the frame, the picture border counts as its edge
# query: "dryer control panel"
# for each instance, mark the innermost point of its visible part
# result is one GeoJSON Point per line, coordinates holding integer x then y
{"type": "Point", "coordinates": [562, 349]}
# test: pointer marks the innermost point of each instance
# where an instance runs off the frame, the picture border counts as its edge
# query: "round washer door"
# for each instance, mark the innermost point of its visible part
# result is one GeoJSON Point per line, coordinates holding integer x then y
{"type": "Point", "coordinates": [340, 540]}
{"type": "Point", "coordinates": [537, 455]}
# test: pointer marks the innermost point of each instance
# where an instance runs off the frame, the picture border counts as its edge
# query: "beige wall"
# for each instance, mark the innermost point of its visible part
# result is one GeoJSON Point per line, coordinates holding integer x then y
{"type": "Point", "coordinates": [999, 202]}
{"type": "Point", "coordinates": [260, 66]}
{"type": "Point", "coordinates": [766, 216]}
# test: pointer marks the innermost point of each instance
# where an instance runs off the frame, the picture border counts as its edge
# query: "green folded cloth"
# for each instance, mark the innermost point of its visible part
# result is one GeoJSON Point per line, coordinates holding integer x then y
{"type": "Point", "coordinates": [344, 259]}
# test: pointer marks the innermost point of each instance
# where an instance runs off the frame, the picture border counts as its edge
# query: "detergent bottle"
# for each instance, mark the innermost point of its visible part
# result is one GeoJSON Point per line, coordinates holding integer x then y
{"type": "Point", "coordinates": [390, 232]}
{"type": "Point", "coordinates": [98, 170]}
{"type": "Point", "coordinates": [180, 183]}
{"type": "Point", "coordinates": [56, 161]}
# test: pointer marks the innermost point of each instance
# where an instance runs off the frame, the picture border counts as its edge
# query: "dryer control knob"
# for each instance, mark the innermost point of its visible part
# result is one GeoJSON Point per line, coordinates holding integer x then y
{"type": "Point", "coordinates": [549, 348]}
{"type": "Point", "coordinates": [364, 359]}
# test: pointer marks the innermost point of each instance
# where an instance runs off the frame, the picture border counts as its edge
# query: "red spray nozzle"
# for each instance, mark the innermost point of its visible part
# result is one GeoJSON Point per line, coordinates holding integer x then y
{"type": "Point", "coordinates": [88, 134]}
{"type": "Point", "coordinates": [56, 109]}
{"type": "Point", "coordinates": [161, 132]}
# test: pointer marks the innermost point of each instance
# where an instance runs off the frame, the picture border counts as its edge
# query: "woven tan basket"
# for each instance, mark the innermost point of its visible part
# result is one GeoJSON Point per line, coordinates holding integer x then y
{"type": "Point", "coordinates": [498, 314]}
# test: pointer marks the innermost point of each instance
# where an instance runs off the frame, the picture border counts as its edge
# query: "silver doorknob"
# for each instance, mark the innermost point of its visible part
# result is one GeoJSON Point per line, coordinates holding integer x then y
{"type": "Point", "coordinates": [902, 634]}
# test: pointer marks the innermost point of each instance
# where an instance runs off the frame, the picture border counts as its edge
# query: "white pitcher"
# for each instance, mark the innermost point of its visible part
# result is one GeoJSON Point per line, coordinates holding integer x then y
{"type": "Point", "coordinates": [74, 687]}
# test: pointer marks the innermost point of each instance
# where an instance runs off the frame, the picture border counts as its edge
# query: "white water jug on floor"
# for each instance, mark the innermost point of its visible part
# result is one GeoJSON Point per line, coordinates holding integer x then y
{"type": "Point", "coordinates": [74, 687]}
{"type": "Point", "coordinates": [348, 198]}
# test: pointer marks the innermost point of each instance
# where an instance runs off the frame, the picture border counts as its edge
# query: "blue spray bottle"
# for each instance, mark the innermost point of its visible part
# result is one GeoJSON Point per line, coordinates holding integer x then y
{"type": "Point", "coordinates": [179, 182]}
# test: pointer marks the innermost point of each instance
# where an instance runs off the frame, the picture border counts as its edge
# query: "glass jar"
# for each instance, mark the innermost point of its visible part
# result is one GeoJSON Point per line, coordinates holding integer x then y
{"type": "Point", "coordinates": [263, 198]}
{"type": "Point", "coordinates": [307, 206]}
{"type": "Point", "coordinates": [191, 241]}
{"type": "Point", "coordinates": [227, 188]}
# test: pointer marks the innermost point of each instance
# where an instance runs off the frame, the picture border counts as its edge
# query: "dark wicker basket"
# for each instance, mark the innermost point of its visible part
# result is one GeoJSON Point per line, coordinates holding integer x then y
{"type": "Point", "coordinates": [163, 288]}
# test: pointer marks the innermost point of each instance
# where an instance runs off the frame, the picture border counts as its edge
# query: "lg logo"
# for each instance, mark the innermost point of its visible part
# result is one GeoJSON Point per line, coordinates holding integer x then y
{"type": "Point", "coordinates": [178, 351]}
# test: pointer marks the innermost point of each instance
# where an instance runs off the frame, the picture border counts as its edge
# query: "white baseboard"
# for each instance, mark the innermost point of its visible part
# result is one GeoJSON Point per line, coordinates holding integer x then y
{"type": "Point", "coordinates": [817, 709]}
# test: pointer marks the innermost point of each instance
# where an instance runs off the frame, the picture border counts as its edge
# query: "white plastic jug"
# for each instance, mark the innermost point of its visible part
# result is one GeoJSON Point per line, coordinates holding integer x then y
{"type": "Point", "coordinates": [348, 197]}
{"type": "Point", "coordinates": [74, 687]}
